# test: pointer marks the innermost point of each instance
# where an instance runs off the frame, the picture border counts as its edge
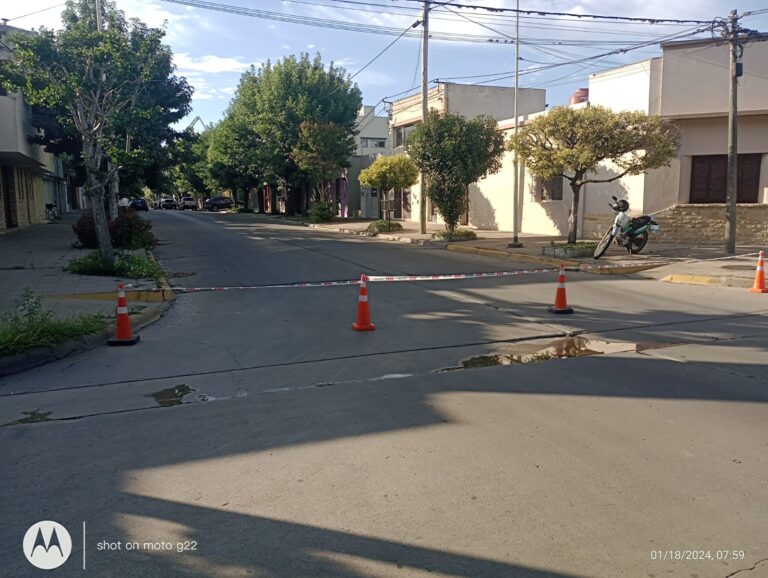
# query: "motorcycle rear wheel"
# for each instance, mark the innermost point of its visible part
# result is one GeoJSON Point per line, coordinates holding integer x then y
{"type": "Point", "coordinates": [638, 243]}
{"type": "Point", "coordinates": [604, 243]}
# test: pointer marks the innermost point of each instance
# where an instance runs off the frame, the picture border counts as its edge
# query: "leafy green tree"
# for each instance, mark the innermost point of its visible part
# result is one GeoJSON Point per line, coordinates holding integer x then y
{"type": "Point", "coordinates": [189, 173]}
{"type": "Point", "coordinates": [97, 84]}
{"type": "Point", "coordinates": [322, 151]}
{"type": "Point", "coordinates": [571, 143]}
{"type": "Point", "coordinates": [392, 172]}
{"type": "Point", "coordinates": [274, 100]}
{"type": "Point", "coordinates": [453, 153]}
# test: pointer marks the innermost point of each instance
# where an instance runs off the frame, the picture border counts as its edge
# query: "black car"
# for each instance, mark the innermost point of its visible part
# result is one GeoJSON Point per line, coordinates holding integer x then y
{"type": "Point", "coordinates": [216, 203]}
{"type": "Point", "coordinates": [139, 205]}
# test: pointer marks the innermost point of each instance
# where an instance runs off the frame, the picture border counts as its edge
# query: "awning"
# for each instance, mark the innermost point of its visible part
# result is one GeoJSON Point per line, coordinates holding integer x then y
{"type": "Point", "coordinates": [17, 159]}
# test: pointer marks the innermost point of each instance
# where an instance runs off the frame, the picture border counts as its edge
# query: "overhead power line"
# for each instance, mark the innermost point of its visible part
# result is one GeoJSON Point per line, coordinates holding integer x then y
{"type": "Point", "coordinates": [497, 10]}
{"type": "Point", "coordinates": [384, 30]}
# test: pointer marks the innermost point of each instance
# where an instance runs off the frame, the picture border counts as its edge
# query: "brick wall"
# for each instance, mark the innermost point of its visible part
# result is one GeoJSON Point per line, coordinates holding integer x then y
{"type": "Point", "coordinates": [705, 224]}
{"type": "Point", "coordinates": [702, 224]}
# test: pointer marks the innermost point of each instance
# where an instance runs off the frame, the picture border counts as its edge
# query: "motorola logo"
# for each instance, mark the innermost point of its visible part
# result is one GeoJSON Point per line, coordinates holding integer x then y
{"type": "Point", "coordinates": [47, 545]}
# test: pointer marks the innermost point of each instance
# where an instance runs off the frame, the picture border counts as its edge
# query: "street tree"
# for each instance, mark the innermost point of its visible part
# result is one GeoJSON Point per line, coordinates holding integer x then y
{"type": "Point", "coordinates": [387, 173]}
{"type": "Point", "coordinates": [572, 143]}
{"type": "Point", "coordinates": [234, 157]}
{"type": "Point", "coordinates": [95, 81]}
{"type": "Point", "coordinates": [321, 152]}
{"type": "Point", "coordinates": [275, 99]}
{"type": "Point", "coordinates": [453, 153]}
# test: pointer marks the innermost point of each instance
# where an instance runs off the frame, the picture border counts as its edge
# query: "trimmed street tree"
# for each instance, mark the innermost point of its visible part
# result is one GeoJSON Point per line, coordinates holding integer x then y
{"type": "Point", "coordinates": [273, 101]}
{"type": "Point", "coordinates": [453, 153]}
{"type": "Point", "coordinates": [97, 79]}
{"type": "Point", "coordinates": [387, 173]}
{"type": "Point", "coordinates": [322, 151]}
{"type": "Point", "coordinates": [571, 143]}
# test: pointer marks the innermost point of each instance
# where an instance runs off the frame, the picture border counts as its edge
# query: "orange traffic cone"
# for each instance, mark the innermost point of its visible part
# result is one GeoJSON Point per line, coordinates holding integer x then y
{"type": "Point", "coordinates": [123, 335]}
{"type": "Point", "coordinates": [561, 305]}
{"type": "Point", "coordinates": [363, 322]}
{"type": "Point", "coordinates": [759, 285]}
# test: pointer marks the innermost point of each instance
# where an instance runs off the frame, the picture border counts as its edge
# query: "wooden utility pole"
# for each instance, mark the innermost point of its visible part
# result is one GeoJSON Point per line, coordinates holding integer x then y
{"type": "Point", "coordinates": [731, 191]}
{"type": "Point", "coordinates": [424, 113]}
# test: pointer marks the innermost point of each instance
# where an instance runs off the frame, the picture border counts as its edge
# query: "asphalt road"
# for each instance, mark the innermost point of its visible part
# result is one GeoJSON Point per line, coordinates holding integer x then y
{"type": "Point", "coordinates": [304, 448]}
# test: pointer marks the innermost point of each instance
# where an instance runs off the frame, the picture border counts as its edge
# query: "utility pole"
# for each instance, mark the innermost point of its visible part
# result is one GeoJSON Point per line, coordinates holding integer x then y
{"type": "Point", "coordinates": [516, 167]}
{"type": "Point", "coordinates": [731, 190]}
{"type": "Point", "coordinates": [98, 16]}
{"type": "Point", "coordinates": [424, 114]}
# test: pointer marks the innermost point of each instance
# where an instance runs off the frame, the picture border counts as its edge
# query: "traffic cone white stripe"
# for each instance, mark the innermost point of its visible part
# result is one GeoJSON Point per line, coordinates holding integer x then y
{"type": "Point", "coordinates": [363, 298]}
{"type": "Point", "coordinates": [122, 310]}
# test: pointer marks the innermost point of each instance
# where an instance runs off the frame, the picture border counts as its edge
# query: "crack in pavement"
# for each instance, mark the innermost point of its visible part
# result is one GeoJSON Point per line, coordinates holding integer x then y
{"type": "Point", "coordinates": [747, 569]}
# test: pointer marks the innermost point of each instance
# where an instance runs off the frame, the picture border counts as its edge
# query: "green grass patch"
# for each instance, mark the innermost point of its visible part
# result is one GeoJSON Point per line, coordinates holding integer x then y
{"type": "Point", "coordinates": [458, 235]}
{"type": "Point", "coordinates": [28, 325]}
{"type": "Point", "coordinates": [132, 266]}
{"type": "Point", "coordinates": [383, 226]}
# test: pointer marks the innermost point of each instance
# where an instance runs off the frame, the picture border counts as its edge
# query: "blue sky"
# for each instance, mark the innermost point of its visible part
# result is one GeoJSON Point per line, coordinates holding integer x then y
{"type": "Point", "coordinates": [213, 48]}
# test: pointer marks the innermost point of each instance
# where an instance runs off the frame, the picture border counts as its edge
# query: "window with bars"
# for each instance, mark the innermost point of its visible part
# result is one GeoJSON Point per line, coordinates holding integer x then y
{"type": "Point", "coordinates": [549, 189]}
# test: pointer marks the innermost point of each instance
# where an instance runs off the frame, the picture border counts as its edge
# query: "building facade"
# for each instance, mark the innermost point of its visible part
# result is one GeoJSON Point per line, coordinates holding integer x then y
{"type": "Point", "coordinates": [689, 85]}
{"type": "Point", "coordinates": [372, 140]}
{"type": "Point", "coordinates": [30, 178]}
{"type": "Point", "coordinates": [469, 101]}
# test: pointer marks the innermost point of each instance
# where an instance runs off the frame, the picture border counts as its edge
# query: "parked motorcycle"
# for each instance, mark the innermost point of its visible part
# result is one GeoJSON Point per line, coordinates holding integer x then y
{"type": "Point", "coordinates": [630, 233]}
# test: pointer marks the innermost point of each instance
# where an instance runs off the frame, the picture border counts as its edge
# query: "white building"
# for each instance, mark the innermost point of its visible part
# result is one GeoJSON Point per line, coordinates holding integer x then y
{"type": "Point", "coordinates": [689, 85]}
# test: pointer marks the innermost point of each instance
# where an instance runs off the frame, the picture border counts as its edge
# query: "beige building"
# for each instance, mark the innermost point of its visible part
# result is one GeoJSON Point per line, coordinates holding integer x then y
{"type": "Point", "coordinates": [469, 101]}
{"type": "Point", "coordinates": [29, 177]}
{"type": "Point", "coordinates": [689, 85]}
{"type": "Point", "coordinates": [372, 139]}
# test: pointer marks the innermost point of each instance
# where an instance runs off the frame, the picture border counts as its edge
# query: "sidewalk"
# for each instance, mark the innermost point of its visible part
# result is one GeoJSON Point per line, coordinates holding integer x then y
{"type": "Point", "coordinates": [35, 258]}
{"type": "Point", "coordinates": [705, 265]}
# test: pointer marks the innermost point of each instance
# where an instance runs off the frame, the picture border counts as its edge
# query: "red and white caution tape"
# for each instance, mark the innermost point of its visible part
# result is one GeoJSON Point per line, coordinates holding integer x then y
{"type": "Point", "coordinates": [371, 279]}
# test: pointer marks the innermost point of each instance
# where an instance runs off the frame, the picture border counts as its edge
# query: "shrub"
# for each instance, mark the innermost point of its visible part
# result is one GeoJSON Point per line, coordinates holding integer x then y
{"type": "Point", "coordinates": [130, 231]}
{"type": "Point", "coordinates": [382, 226]}
{"type": "Point", "coordinates": [458, 235]}
{"type": "Point", "coordinates": [127, 231]}
{"type": "Point", "coordinates": [29, 325]}
{"type": "Point", "coordinates": [244, 210]}
{"type": "Point", "coordinates": [321, 212]}
{"type": "Point", "coordinates": [132, 266]}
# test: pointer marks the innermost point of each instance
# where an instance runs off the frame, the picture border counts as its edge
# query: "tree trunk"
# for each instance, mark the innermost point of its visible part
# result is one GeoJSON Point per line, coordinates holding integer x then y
{"type": "Point", "coordinates": [273, 200]}
{"type": "Point", "coordinates": [573, 218]}
{"type": "Point", "coordinates": [260, 199]}
{"type": "Point", "coordinates": [96, 195]}
{"type": "Point", "coordinates": [247, 198]}
{"type": "Point", "coordinates": [114, 190]}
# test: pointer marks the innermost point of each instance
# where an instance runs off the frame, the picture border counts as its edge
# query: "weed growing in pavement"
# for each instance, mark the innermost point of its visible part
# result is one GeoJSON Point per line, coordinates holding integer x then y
{"type": "Point", "coordinates": [28, 325]}
{"type": "Point", "coordinates": [131, 266]}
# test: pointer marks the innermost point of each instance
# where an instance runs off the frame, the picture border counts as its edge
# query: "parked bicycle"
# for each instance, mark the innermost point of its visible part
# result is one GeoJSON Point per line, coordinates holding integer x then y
{"type": "Point", "coordinates": [52, 213]}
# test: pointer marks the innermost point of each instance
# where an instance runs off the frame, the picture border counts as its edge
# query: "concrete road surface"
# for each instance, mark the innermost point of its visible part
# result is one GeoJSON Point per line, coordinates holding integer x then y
{"type": "Point", "coordinates": [304, 449]}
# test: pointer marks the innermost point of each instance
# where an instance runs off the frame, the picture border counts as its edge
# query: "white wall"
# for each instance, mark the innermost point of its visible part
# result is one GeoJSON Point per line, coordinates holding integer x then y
{"type": "Point", "coordinates": [626, 88]}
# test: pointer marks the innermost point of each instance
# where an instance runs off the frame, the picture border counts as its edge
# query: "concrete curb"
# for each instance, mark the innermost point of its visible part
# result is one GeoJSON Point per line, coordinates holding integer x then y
{"type": "Point", "coordinates": [11, 364]}
{"type": "Point", "coordinates": [512, 256]}
{"type": "Point", "coordinates": [718, 281]}
{"type": "Point", "coordinates": [167, 292]}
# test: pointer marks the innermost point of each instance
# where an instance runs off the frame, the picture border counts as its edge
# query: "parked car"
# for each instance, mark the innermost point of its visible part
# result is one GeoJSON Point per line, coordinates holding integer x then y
{"type": "Point", "coordinates": [168, 203]}
{"type": "Point", "coordinates": [216, 203]}
{"type": "Point", "coordinates": [188, 203]}
{"type": "Point", "coordinates": [139, 205]}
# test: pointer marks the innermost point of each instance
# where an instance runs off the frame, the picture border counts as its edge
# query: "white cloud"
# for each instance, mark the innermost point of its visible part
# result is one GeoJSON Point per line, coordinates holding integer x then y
{"type": "Point", "coordinates": [209, 63]}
